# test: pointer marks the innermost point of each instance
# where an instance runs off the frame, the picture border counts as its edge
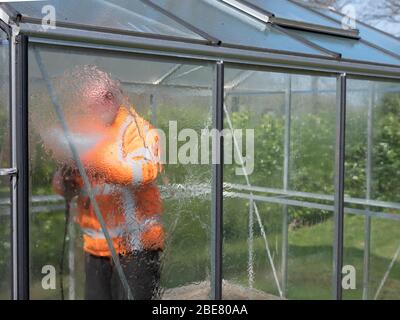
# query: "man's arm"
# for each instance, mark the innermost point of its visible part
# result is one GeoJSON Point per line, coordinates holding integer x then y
{"type": "Point", "coordinates": [65, 182]}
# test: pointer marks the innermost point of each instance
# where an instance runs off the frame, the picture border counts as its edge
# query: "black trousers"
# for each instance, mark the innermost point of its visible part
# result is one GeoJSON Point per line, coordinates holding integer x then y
{"type": "Point", "coordinates": [142, 271]}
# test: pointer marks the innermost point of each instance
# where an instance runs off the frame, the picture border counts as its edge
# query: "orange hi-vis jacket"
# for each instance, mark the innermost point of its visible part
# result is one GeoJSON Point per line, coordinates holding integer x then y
{"type": "Point", "coordinates": [122, 168]}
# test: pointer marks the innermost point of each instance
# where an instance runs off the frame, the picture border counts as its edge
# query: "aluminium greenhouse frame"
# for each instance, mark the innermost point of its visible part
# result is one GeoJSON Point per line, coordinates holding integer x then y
{"type": "Point", "coordinates": [23, 33]}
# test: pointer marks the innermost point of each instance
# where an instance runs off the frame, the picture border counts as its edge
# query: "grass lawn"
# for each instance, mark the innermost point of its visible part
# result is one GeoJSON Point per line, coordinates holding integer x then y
{"type": "Point", "coordinates": [310, 260]}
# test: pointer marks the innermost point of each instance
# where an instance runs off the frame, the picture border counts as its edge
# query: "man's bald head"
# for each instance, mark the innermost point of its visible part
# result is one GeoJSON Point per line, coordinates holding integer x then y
{"type": "Point", "coordinates": [87, 90]}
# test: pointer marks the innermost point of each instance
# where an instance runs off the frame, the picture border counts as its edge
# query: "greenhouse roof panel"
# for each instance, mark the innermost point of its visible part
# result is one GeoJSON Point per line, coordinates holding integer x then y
{"type": "Point", "coordinates": [251, 25]}
{"type": "Point", "coordinates": [233, 27]}
{"type": "Point", "coordinates": [139, 17]}
{"type": "Point", "coordinates": [367, 32]}
{"type": "Point", "coordinates": [292, 11]}
{"type": "Point", "coordinates": [350, 49]}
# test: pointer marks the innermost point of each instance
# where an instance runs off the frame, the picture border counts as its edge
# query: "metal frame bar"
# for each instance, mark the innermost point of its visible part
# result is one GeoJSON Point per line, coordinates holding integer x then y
{"type": "Point", "coordinates": [316, 196]}
{"type": "Point", "coordinates": [230, 89]}
{"type": "Point", "coordinates": [286, 167]}
{"type": "Point", "coordinates": [303, 26]}
{"type": "Point", "coordinates": [256, 92]}
{"type": "Point", "coordinates": [93, 36]}
{"type": "Point", "coordinates": [303, 5]}
{"type": "Point", "coordinates": [217, 185]}
{"type": "Point", "coordinates": [339, 187]}
{"type": "Point", "coordinates": [280, 196]}
{"type": "Point", "coordinates": [14, 179]}
{"type": "Point", "coordinates": [12, 171]}
{"type": "Point", "coordinates": [202, 190]}
{"type": "Point", "coordinates": [253, 59]}
{"type": "Point", "coordinates": [310, 205]}
{"type": "Point", "coordinates": [20, 160]}
{"type": "Point", "coordinates": [109, 30]}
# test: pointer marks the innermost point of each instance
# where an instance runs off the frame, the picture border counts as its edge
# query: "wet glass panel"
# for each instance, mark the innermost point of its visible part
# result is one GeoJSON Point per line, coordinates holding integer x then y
{"type": "Point", "coordinates": [156, 210]}
{"type": "Point", "coordinates": [139, 17]}
{"type": "Point", "coordinates": [278, 218]}
{"type": "Point", "coordinates": [5, 212]}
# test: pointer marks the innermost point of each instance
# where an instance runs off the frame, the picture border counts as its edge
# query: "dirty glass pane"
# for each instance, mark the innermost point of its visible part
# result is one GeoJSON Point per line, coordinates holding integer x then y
{"type": "Point", "coordinates": [229, 25]}
{"type": "Point", "coordinates": [278, 229]}
{"type": "Point", "coordinates": [152, 193]}
{"type": "Point", "coordinates": [138, 17]}
{"type": "Point", "coordinates": [5, 212]}
{"type": "Point", "coordinates": [372, 238]}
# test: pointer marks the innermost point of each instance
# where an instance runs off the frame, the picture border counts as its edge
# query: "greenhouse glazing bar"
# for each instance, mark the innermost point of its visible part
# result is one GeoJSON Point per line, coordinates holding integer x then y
{"type": "Point", "coordinates": [286, 168]}
{"type": "Point", "coordinates": [217, 184]}
{"type": "Point", "coordinates": [235, 56]}
{"type": "Point", "coordinates": [12, 171]}
{"type": "Point", "coordinates": [20, 160]}
{"type": "Point", "coordinates": [85, 27]}
{"type": "Point", "coordinates": [273, 60]}
{"type": "Point", "coordinates": [339, 186]}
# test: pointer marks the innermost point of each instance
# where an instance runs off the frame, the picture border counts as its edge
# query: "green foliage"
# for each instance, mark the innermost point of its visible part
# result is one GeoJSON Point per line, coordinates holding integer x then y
{"type": "Point", "coordinates": [387, 150]}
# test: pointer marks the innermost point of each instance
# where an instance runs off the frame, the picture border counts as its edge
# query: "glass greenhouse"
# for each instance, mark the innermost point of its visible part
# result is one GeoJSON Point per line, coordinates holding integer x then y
{"type": "Point", "coordinates": [301, 197]}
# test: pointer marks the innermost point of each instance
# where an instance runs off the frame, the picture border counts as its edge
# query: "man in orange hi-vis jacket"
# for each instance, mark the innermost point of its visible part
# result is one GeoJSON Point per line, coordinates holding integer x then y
{"type": "Point", "coordinates": [122, 165]}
